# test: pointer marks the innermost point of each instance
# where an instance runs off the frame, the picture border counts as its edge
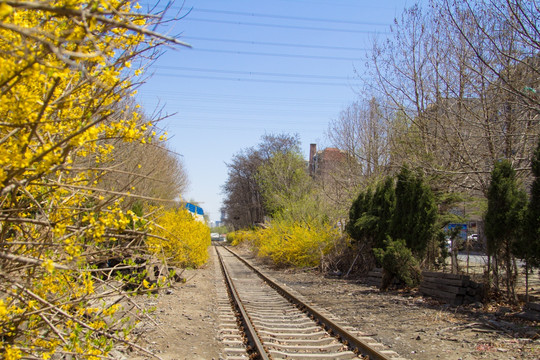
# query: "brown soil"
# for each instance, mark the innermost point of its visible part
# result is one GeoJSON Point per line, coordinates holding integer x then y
{"type": "Point", "coordinates": [413, 326]}
{"type": "Point", "coordinates": [185, 320]}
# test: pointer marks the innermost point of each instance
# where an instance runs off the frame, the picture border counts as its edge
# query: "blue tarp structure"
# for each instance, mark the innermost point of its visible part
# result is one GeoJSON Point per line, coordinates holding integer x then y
{"type": "Point", "coordinates": [463, 229]}
{"type": "Point", "coordinates": [194, 209]}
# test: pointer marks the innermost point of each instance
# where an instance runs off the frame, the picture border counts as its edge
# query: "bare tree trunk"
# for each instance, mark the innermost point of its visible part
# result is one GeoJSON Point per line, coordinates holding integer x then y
{"type": "Point", "coordinates": [496, 273]}
{"type": "Point", "coordinates": [526, 281]}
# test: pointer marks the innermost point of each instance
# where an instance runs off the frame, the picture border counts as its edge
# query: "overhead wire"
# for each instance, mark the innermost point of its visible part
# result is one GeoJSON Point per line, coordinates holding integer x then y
{"type": "Point", "coordinates": [250, 99]}
{"type": "Point", "coordinates": [259, 73]}
{"type": "Point", "coordinates": [274, 16]}
{"type": "Point", "coordinates": [287, 17]}
{"type": "Point", "coordinates": [257, 53]}
{"type": "Point", "coordinates": [266, 43]}
{"type": "Point", "coordinates": [200, 115]}
{"type": "Point", "coordinates": [216, 119]}
{"type": "Point", "coordinates": [251, 80]}
{"type": "Point", "coordinates": [281, 26]}
{"type": "Point", "coordinates": [272, 54]}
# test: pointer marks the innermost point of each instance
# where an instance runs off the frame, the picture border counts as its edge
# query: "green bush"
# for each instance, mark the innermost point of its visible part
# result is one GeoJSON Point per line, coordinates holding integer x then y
{"type": "Point", "coordinates": [397, 262]}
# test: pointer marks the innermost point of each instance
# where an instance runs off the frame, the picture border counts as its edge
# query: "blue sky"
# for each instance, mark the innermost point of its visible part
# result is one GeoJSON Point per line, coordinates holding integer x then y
{"type": "Point", "coordinates": [255, 68]}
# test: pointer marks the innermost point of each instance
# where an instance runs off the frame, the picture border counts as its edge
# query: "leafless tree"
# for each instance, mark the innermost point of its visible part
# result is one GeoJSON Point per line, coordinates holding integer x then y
{"type": "Point", "coordinates": [361, 131]}
{"type": "Point", "coordinates": [455, 80]}
{"type": "Point", "coordinates": [461, 79]}
{"type": "Point", "coordinates": [243, 204]}
{"type": "Point", "coordinates": [148, 169]}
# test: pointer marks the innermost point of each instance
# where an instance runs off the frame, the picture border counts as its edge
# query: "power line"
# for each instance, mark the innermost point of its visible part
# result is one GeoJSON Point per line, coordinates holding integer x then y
{"type": "Point", "coordinates": [252, 80]}
{"type": "Point", "coordinates": [248, 42]}
{"type": "Point", "coordinates": [247, 127]}
{"type": "Point", "coordinates": [252, 73]}
{"type": "Point", "coordinates": [256, 53]}
{"type": "Point", "coordinates": [249, 99]}
{"type": "Point", "coordinates": [217, 120]}
{"type": "Point", "coordinates": [279, 17]}
{"type": "Point", "coordinates": [285, 17]}
{"type": "Point", "coordinates": [310, 28]}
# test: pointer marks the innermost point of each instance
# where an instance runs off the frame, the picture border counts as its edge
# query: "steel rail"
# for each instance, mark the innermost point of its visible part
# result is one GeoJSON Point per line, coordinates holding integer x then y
{"type": "Point", "coordinates": [346, 337]}
{"type": "Point", "coordinates": [249, 329]}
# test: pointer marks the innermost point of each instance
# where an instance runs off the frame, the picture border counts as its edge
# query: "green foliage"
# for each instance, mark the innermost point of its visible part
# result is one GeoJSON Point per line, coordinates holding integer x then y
{"type": "Point", "coordinates": [383, 207]}
{"type": "Point", "coordinates": [360, 207]}
{"type": "Point", "coordinates": [528, 245]}
{"type": "Point", "coordinates": [371, 214]}
{"type": "Point", "coordinates": [285, 185]}
{"type": "Point", "coordinates": [405, 209]}
{"type": "Point", "coordinates": [220, 229]}
{"type": "Point", "coordinates": [443, 253]}
{"type": "Point", "coordinates": [446, 202]}
{"type": "Point", "coordinates": [398, 262]}
{"type": "Point", "coordinates": [243, 203]}
{"type": "Point", "coordinates": [504, 220]}
{"type": "Point", "coordinates": [505, 207]}
{"type": "Point", "coordinates": [415, 212]}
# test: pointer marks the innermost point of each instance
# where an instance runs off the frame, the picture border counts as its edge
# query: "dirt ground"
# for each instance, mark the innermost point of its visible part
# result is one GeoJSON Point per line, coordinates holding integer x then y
{"type": "Point", "coordinates": [185, 319]}
{"type": "Point", "coordinates": [417, 327]}
{"type": "Point", "coordinates": [413, 326]}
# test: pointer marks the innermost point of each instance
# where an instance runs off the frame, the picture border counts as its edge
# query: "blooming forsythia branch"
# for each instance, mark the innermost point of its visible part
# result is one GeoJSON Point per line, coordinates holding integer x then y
{"type": "Point", "coordinates": [65, 79]}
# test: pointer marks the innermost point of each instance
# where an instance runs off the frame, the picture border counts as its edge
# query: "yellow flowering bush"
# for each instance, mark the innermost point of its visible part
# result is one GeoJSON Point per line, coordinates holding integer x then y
{"type": "Point", "coordinates": [291, 243]}
{"type": "Point", "coordinates": [65, 76]}
{"type": "Point", "coordinates": [180, 239]}
{"type": "Point", "coordinates": [243, 236]}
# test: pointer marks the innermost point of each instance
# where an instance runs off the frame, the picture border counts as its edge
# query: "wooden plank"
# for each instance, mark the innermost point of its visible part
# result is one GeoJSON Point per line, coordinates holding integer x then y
{"type": "Point", "coordinates": [533, 306]}
{"type": "Point", "coordinates": [453, 282]}
{"type": "Point", "coordinates": [447, 288]}
{"type": "Point", "coordinates": [442, 275]}
{"type": "Point", "coordinates": [437, 293]}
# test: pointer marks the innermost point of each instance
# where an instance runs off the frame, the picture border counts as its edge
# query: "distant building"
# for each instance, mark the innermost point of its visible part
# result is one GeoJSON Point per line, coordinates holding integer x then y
{"type": "Point", "coordinates": [325, 162]}
{"type": "Point", "coordinates": [331, 171]}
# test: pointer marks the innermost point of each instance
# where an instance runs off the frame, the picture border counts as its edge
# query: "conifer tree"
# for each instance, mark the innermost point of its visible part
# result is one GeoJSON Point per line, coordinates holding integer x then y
{"type": "Point", "coordinates": [533, 214]}
{"type": "Point", "coordinates": [506, 202]}
{"type": "Point", "coordinates": [415, 212]}
{"type": "Point", "coordinates": [384, 202]}
{"type": "Point", "coordinates": [371, 214]}
{"type": "Point", "coordinates": [527, 246]}
{"type": "Point", "coordinates": [398, 262]}
{"type": "Point", "coordinates": [360, 207]}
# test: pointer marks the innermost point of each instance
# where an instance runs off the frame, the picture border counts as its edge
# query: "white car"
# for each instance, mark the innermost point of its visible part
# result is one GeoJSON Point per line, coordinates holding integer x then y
{"type": "Point", "coordinates": [472, 237]}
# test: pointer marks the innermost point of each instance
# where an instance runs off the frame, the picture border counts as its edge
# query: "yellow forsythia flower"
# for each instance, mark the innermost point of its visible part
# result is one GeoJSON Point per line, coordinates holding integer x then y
{"type": "Point", "coordinates": [48, 265]}
{"type": "Point", "coordinates": [188, 238]}
{"type": "Point", "coordinates": [5, 9]}
{"type": "Point", "coordinates": [3, 310]}
{"type": "Point", "coordinates": [12, 353]}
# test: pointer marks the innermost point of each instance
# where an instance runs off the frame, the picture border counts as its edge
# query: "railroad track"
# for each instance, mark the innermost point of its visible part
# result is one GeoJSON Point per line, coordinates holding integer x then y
{"type": "Point", "coordinates": [277, 323]}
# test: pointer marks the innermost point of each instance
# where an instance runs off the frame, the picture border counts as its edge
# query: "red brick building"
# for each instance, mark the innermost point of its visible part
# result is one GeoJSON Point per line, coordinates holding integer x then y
{"type": "Point", "coordinates": [323, 163]}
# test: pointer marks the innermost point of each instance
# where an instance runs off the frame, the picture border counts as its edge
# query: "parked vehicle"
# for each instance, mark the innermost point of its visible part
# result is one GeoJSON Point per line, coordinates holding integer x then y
{"type": "Point", "coordinates": [472, 237]}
